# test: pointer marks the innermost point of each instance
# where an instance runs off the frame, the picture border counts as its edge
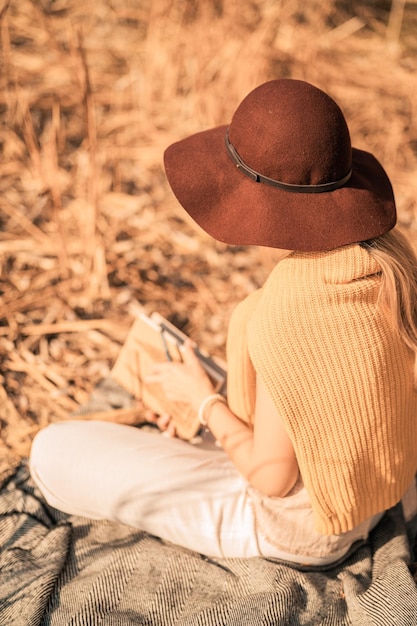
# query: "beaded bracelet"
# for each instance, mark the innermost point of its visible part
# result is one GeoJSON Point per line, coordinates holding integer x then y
{"type": "Point", "coordinates": [207, 402]}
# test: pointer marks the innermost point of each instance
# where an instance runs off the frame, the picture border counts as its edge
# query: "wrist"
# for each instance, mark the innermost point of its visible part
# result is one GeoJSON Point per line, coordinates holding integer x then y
{"type": "Point", "coordinates": [206, 406]}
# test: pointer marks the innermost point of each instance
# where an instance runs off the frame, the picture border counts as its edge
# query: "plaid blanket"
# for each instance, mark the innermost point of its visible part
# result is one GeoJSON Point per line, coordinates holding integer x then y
{"type": "Point", "coordinates": [58, 570]}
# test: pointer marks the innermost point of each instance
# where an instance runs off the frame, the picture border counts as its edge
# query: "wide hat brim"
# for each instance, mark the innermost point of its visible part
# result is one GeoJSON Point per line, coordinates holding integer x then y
{"type": "Point", "coordinates": [237, 210]}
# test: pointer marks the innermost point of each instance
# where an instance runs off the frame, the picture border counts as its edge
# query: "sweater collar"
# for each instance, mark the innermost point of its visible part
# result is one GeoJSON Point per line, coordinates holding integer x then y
{"type": "Point", "coordinates": [335, 267]}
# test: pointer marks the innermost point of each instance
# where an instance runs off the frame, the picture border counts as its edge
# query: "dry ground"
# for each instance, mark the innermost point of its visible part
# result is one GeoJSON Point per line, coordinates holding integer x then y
{"type": "Point", "coordinates": [91, 93]}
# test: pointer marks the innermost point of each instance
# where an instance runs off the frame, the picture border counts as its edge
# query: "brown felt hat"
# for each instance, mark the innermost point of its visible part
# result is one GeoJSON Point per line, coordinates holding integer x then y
{"type": "Point", "coordinates": [283, 174]}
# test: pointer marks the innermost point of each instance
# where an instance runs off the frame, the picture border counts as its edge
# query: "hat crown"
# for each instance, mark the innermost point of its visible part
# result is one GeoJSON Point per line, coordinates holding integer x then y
{"type": "Point", "coordinates": [291, 131]}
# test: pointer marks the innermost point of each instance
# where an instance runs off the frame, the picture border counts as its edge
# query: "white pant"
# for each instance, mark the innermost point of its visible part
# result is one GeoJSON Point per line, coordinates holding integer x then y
{"type": "Point", "coordinates": [190, 496]}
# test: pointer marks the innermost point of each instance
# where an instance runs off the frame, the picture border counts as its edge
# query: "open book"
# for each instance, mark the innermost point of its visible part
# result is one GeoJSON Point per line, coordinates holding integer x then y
{"type": "Point", "coordinates": [154, 339]}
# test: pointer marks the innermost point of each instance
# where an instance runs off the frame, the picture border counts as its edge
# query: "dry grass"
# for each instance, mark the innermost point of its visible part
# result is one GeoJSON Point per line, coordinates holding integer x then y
{"type": "Point", "coordinates": [91, 93]}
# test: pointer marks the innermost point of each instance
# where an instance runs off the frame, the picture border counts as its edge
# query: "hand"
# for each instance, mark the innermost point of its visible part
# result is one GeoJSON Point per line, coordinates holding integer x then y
{"type": "Point", "coordinates": [182, 382]}
{"type": "Point", "coordinates": [164, 422]}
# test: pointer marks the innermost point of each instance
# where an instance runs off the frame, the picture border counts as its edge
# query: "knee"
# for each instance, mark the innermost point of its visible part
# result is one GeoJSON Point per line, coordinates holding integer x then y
{"type": "Point", "coordinates": [42, 444]}
{"type": "Point", "coordinates": [45, 448]}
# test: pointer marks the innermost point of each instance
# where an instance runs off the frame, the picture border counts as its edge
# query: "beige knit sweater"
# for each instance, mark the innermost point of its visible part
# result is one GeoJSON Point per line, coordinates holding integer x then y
{"type": "Point", "coordinates": [340, 377]}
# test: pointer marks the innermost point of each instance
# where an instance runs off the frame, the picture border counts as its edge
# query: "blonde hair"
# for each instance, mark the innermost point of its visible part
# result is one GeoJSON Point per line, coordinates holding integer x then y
{"type": "Point", "coordinates": [398, 263]}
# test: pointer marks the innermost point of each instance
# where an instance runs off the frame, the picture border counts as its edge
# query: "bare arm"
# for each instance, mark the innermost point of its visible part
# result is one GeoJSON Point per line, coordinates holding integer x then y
{"type": "Point", "coordinates": [265, 455]}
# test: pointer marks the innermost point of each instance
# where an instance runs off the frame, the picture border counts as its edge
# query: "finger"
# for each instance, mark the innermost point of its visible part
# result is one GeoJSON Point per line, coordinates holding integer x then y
{"type": "Point", "coordinates": [188, 354]}
{"type": "Point", "coordinates": [151, 416]}
{"type": "Point", "coordinates": [163, 421]}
